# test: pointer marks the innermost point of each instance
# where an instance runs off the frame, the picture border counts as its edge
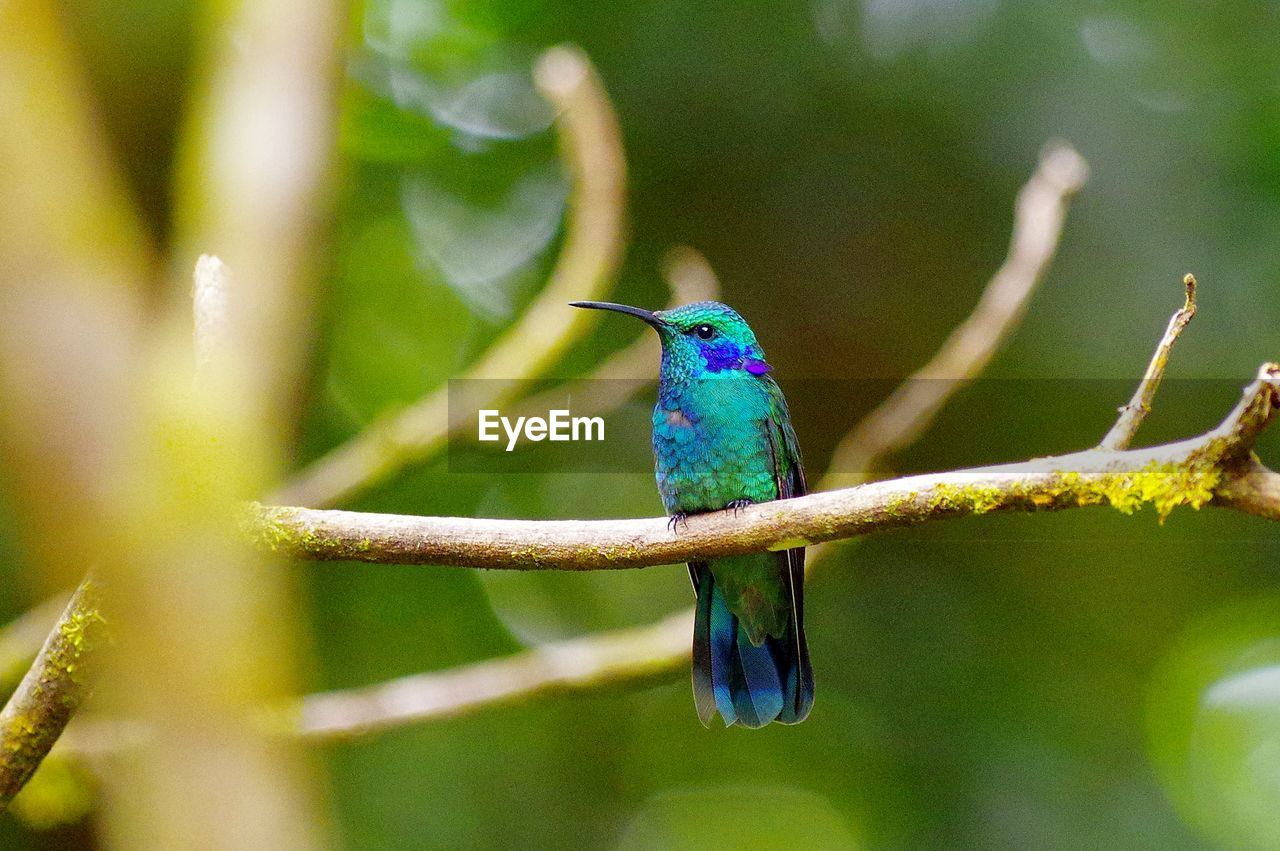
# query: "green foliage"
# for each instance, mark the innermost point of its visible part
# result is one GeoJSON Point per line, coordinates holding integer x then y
{"type": "Point", "coordinates": [848, 168]}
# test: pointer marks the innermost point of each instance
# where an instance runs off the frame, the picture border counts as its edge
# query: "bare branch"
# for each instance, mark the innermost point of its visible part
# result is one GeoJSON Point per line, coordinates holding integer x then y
{"type": "Point", "coordinates": [901, 418]}
{"type": "Point", "coordinates": [1216, 468]}
{"type": "Point", "coordinates": [1189, 472]}
{"type": "Point", "coordinates": [1255, 489]}
{"type": "Point", "coordinates": [1132, 414]}
{"type": "Point", "coordinates": [560, 666]}
{"type": "Point", "coordinates": [50, 693]}
{"type": "Point", "coordinates": [592, 147]}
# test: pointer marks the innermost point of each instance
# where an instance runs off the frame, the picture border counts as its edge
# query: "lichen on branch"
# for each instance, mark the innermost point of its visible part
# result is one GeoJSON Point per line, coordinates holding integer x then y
{"type": "Point", "coordinates": [51, 691]}
{"type": "Point", "coordinates": [1193, 473]}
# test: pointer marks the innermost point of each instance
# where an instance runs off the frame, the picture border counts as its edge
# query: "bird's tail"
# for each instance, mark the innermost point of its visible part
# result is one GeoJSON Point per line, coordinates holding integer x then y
{"type": "Point", "coordinates": [747, 684]}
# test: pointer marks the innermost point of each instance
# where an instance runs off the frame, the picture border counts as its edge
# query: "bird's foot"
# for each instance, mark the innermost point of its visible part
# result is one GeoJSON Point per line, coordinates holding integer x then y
{"type": "Point", "coordinates": [739, 504]}
{"type": "Point", "coordinates": [677, 518]}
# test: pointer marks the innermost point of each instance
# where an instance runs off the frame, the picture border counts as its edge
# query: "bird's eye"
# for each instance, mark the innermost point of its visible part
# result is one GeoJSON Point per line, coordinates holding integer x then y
{"type": "Point", "coordinates": [704, 331]}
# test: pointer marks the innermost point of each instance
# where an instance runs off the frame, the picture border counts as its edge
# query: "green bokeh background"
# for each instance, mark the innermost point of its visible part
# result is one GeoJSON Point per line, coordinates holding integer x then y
{"type": "Point", "coordinates": [848, 167]}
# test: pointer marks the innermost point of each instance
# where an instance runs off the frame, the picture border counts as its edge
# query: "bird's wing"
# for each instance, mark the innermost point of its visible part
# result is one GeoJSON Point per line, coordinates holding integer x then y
{"type": "Point", "coordinates": [788, 475]}
{"type": "Point", "coordinates": [788, 469]}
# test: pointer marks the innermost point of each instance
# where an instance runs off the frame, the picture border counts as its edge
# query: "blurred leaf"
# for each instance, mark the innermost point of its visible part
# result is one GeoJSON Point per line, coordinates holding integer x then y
{"type": "Point", "coordinates": [1214, 720]}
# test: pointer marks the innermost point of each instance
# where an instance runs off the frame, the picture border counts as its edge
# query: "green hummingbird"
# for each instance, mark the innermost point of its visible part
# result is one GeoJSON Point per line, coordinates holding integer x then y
{"type": "Point", "coordinates": [722, 438]}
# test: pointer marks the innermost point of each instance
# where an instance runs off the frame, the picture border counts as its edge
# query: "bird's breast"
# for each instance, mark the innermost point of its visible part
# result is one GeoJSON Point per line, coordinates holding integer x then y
{"type": "Point", "coordinates": [712, 448]}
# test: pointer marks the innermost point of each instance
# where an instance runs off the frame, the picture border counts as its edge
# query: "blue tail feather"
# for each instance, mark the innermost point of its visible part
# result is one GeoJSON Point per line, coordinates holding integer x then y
{"type": "Point", "coordinates": [723, 629]}
{"type": "Point", "coordinates": [746, 684]}
{"type": "Point", "coordinates": [759, 700]}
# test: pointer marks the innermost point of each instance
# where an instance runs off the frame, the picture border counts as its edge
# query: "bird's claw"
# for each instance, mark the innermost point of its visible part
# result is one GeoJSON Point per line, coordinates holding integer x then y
{"type": "Point", "coordinates": [674, 519]}
{"type": "Point", "coordinates": [739, 504]}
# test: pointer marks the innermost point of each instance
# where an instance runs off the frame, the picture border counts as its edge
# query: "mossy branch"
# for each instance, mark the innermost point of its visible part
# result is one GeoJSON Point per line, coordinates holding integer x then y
{"type": "Point", "coordinates": [1214, 468]}
{"type": "Point", "coordinates": [51, 691]}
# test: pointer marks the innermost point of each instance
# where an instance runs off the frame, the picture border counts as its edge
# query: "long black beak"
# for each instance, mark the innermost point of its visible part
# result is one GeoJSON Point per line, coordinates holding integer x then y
{"type": "Point", "coordinates": [643, 315]}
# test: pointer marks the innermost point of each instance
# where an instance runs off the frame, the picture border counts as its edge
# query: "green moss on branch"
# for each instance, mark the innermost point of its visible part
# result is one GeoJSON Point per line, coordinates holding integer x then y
{"type": "Point", "coordinates": [52, 690]}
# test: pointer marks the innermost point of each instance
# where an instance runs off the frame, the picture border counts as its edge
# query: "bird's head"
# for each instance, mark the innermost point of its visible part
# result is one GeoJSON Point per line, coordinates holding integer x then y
{"type": "Point", "coordinates": [704, 339]}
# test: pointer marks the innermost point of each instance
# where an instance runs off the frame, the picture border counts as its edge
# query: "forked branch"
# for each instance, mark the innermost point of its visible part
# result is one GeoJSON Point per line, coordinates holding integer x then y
{"type": "Point", "coordinates": [1195, 472]}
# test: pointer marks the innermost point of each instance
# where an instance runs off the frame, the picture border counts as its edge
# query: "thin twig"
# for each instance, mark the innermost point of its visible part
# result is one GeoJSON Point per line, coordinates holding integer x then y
{"type": "Point", "coordinates": [1132, 414]}
{"type": "Point", "coordinates": [560, 666]}
{"type": "Point", "coordinates": [1185, 473]}
{"type": "Point", "coordinates": [51, 692]}
{"type": "Point", "coordinates": [592, 147]}
{"type": "Point", "coordinates": [901, 418]}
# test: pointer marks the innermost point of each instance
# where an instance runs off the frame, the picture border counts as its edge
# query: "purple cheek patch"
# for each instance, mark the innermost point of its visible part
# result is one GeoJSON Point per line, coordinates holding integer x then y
{"type": "Point", "coordinates": [757, 367]}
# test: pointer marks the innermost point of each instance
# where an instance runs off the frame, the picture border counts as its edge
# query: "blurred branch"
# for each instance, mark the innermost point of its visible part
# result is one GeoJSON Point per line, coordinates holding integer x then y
{"type": "Point", "coordinates": [73, 265]}
{"type": "Point", "coordinates": [253, 189]}
{"type": "Point", "coordinates": [74, 262]}
{"type": "Point", "coordinates": [1132, 414]}
{"type": "Point", "coordinates": [1191, 472]}
{"type": "Point", "coordinates": [1037, 226]}
{"type": "Point", "coordinates": [204, 625]}
{"type": "Point", "coordinates": [561, 666]}
{"type": "Point", "coordinates": [592, 148]}
{"type": "Point", "coordinates": [51, 692]}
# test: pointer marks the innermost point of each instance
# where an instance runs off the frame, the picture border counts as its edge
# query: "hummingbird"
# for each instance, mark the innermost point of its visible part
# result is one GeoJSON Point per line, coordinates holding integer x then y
{"type": "Point", "coordinates": [722, 439]}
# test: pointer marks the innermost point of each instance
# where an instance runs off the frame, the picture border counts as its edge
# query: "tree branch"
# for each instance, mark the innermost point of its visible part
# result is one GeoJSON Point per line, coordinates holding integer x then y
{"type": "Point", "coordinates": [1132, 414]}
{"type": "Point", "coordinates": [1191, 472]}
{"type": "Point", "coordinates": [556, 667]}
{"type": "Point", "coordinates": [1254, 489]}
{"type": "Point", "coordinates": [900, 419]}
{"type": "Point", "coordinates": [50, 693]}
{"type": "Point", "coordinates": [592, 147]}
{"type": "Point", "coordinates": [1216, 468]}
